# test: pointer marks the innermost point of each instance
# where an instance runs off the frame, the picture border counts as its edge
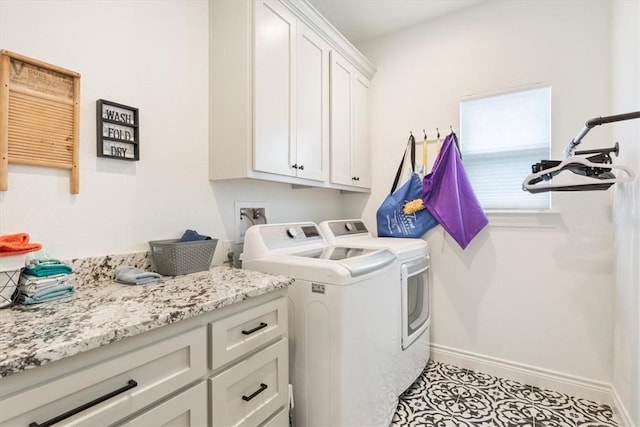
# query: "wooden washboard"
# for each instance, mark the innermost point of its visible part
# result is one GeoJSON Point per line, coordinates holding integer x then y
{"type": "Point", "coordinates": [39, 116]}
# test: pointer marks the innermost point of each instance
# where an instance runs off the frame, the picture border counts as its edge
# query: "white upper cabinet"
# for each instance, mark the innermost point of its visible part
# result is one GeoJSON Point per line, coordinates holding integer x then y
{"type": "Point", "coordinates": [270, 95]}
{"type": "Point", "coordinates": [312, 105]}
{"type": "Point", "coordinates": [361, 143]}
{"type": "Point", "coordinates": [341, 120]}
{"type": "Point", "coordinates": [275, 40]}
{"type": "Point", "coordinates": [350, 140]}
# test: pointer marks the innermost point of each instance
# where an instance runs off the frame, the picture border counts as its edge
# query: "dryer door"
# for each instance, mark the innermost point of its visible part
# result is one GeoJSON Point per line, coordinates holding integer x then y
{"type": "Point", "coordinates": [415, 299]}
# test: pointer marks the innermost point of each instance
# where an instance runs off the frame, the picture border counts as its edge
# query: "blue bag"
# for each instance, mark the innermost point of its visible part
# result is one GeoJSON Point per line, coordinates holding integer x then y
{"type": "Point", "coordinates": [391, 219]}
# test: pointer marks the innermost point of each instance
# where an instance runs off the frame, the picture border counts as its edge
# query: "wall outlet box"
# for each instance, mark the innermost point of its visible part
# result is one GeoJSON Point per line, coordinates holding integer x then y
{"type": "Point", "coordinates": [247, 214]}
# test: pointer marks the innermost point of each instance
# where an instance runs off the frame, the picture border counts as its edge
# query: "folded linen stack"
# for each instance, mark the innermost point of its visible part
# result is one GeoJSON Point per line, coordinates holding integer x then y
{"type": "Point", "coordinates": [44, 279]}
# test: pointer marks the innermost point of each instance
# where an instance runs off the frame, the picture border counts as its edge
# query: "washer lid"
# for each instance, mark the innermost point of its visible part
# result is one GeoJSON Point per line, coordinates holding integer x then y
{"type": "Point", "coordinates": [335, 253]}
{"type": "Point", "coordinates": [358, 261]}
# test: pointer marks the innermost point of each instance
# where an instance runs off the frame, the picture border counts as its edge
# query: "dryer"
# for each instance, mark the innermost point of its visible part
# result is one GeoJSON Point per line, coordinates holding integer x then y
{"type": "Point", "coordinates": [412, 279]}
{"type": "Point", "coordinates": [342, 335]}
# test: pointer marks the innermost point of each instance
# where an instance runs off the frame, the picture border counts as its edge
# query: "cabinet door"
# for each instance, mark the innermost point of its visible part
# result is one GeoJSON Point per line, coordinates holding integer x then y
{"type": "Point", "coordinates": [312, 106]}
{"type": "Point", "coordinates": [341, 119]}
{"type": "Point", "coordinates": [361, 144]}
{"type": "Point", "coordinates": [273, 90]}
{"type": "Point", "coordinates": [187, 409]}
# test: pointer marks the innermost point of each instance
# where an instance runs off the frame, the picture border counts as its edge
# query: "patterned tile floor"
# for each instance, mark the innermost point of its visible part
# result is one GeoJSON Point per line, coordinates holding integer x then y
{"type": "Point", "coordinates": [449, 396]}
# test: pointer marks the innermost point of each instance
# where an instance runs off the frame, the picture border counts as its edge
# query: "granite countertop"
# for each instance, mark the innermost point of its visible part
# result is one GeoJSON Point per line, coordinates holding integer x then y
{"type": "Point", "coordinates": [103, 311]}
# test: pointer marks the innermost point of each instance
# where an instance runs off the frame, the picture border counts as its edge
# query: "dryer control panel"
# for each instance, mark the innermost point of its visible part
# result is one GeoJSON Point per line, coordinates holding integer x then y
{"type": "Point", "coordinates": [350, 227]}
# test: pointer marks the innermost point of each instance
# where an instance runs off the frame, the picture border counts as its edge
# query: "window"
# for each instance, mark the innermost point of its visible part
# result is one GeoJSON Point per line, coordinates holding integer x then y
{"type": "Point", "coordinates": [501, 136]}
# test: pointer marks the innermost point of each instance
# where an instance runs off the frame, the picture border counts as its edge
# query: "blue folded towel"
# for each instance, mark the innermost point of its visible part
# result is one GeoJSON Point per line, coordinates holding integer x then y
{"type": "Point", "coordinates": [41, 264]}
{"type": "Point", "coordinates": [47, 268]}
{"type": "Point", "coordinates": [135, 276]}
{"type": "Point", "coordinates": [192, 236]}
{"type": "Point", "coordinates": [45, 295]}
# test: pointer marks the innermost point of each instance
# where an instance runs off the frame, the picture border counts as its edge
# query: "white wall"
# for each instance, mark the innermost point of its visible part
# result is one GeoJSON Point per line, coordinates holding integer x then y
{"type": "Point", "coordinates": [152, 55]}
{"type": "Point", "coordinates": [532, 290]}
{"type": "Point", "coordinates": [626, 218]}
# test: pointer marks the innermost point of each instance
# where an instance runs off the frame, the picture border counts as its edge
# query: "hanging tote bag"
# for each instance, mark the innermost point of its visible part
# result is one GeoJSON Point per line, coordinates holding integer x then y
{"type": "Point", "coordinates": [448, 195]}
{"type": "Point", "coordinates": [392, 217]}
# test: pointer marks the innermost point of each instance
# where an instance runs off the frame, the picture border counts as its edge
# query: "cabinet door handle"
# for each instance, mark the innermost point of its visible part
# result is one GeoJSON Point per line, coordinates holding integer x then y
{"type": "Point", "coordinates": [262, 388]}
{"type": "Point", "coordinates": [301, 167]}
{"type": "Point", "coordinates": [131, 384]}
{"type": "Point", "coordinates": [257, 328]}
{"type": "Point", "coordinates": [295, 166]}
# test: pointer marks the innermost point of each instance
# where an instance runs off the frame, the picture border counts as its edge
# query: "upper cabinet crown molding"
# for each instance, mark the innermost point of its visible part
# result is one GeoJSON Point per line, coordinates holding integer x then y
{"type": "Point", "coordinates": [315, 20]}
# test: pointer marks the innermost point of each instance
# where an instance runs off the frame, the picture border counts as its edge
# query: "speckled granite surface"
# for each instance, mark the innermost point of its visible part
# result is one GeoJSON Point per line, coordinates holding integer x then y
{"type": "Point", "coordinates": [103, 311]}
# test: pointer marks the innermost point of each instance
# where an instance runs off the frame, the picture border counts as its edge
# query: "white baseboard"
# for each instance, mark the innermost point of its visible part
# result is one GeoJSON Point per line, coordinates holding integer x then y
{"type": "Point", "coordinates": [527, 374]}
{"type": "Point", "coordinates": [624, 419]}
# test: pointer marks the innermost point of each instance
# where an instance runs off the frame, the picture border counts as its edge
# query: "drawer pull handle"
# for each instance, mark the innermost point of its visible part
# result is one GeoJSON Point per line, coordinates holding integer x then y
{"type": "Point", "coordinates": [257, 328]}
{"type": "Point", "coordinates": [131, 384]}
{"type": "Point", "coordinates": [262, 388]}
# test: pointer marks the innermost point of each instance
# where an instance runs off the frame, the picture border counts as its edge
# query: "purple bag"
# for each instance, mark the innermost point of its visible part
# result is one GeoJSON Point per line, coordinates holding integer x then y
{"type": "Point", "coordinates": [448, 195]}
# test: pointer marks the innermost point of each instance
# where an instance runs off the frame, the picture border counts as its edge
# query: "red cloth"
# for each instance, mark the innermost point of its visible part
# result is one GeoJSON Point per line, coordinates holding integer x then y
{"type": "Point", "coordinates": [17, 244]}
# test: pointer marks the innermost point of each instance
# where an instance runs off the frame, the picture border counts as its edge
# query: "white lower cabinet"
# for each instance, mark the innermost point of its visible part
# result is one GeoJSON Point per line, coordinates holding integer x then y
{"type": "Point", "coordinates": [250, 392]}
{"type": "Point", "coordinates": [188, 408]}
{"type": "Point", "coordinates": [279, 420]}
{"type": "Point", "coordinates": [160, 377]}
{"type": "Point", "coordinates": [239, 334]}
{"type": "Point", "coordinates": [104, 393]}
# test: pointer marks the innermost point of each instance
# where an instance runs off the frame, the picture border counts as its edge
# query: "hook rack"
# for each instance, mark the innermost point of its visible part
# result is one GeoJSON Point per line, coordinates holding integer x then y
{"type": "Point", "coordinates": [436, 132]}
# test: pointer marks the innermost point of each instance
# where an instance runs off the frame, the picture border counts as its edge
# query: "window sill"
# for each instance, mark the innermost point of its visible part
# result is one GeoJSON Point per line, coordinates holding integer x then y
{"type": "Point", "coordinates": [523, 218]}
{"type": "Point", "coordinates": [521, 212]}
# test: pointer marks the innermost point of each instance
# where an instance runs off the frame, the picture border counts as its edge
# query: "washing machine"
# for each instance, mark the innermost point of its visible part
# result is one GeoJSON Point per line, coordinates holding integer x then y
{"type": "Point", "coordinates": [342, 335]}
{"type": "Point", "coordinates": [413, 275]}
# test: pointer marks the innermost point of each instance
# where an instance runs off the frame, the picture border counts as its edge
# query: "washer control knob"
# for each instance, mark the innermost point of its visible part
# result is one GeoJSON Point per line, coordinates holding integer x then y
{"type": "Point", "coordinates": [292, 232]}
{"type": "Point", "coordinates": [349, 226]}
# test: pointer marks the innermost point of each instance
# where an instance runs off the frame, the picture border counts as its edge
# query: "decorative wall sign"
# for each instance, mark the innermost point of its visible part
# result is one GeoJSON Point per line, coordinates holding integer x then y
{"type": "Point", "coordinates": [39, 116]}
{"type": "Point", "coordinates": [118, 134]}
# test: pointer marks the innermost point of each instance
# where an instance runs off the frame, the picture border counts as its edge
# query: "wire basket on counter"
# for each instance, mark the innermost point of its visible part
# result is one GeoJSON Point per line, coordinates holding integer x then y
{"type": "Point", "coordinates": [8, 286]}
{"type": "Point", "coordinates": [10, 268]}
{"type": "Point", "coordinates": [173, 257]}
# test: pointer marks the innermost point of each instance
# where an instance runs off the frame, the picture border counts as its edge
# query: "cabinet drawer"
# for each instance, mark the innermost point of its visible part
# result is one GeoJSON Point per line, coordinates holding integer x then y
{"type": "Point", "coordinates": [156, 371]}
{"type": "Point", "coordinates": [280, 420]}
{"type": "Point", "coordinates": [248, 393]}
{"type": "Point", "coordinates": [187, 409]}
{"type": "Point", "coordinates": [234, 336]}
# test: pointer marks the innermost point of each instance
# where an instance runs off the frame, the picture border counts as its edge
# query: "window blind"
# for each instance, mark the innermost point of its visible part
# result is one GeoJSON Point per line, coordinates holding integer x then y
{"type": "Point", "coordinates": [501, 136]}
